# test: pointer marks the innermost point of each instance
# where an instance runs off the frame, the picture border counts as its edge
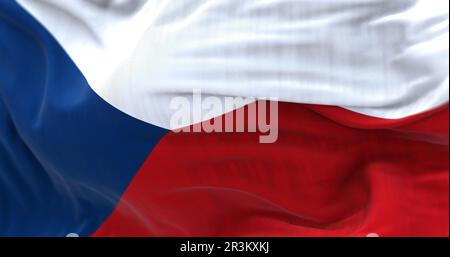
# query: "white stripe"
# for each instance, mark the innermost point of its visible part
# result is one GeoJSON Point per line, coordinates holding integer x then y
{"type": "Point", "coordinates": [381, 58]}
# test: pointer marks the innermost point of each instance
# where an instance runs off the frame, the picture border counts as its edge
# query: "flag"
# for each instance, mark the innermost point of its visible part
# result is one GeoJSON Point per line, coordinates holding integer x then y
{"type": "Point", "coordinates": [115, 118]}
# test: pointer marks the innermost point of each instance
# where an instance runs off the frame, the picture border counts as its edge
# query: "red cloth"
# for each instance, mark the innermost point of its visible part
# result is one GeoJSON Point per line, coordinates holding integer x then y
{"type": "Point", "coordinates": [332, 172]}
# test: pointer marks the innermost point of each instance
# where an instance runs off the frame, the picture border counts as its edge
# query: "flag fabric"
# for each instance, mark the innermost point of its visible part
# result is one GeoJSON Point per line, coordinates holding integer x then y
{"type": "Point", "coordinates": [87, 147]}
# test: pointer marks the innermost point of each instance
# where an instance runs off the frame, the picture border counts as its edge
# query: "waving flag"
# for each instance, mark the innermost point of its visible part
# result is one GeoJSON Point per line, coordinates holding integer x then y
{"type": "Point", "coordinates": [360, 95]}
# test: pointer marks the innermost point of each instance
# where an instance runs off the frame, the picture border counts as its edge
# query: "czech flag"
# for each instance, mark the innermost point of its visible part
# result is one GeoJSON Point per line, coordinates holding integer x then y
{"type": "Point", "coordinates": [87, 145]}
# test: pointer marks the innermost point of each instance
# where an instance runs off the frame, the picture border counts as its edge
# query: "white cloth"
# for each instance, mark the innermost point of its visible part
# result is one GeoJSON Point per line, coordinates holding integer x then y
{"type": "Point", "coordinates": [382, 58]}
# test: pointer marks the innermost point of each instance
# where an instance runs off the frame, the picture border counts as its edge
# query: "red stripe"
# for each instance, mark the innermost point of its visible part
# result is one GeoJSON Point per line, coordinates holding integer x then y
{"type": "Point", "coordinates": [332, 172]}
